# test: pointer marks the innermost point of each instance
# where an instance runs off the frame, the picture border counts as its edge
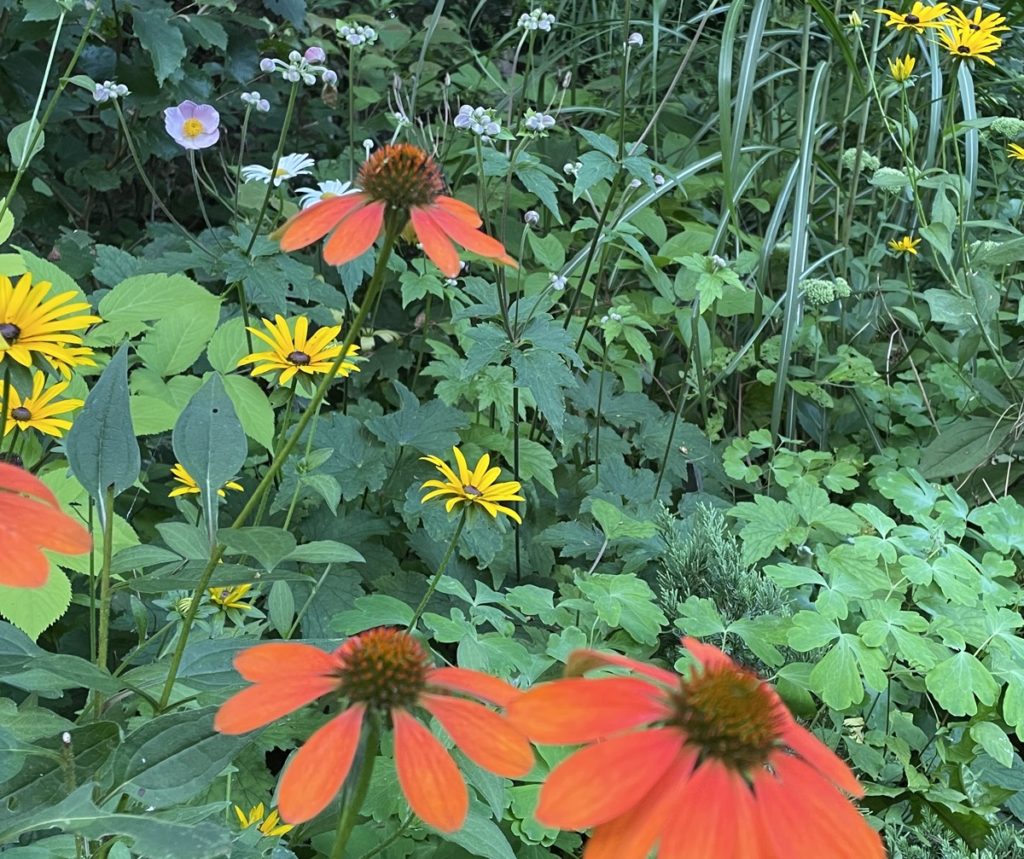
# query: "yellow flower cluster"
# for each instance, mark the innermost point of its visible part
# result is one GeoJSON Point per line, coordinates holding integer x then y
{"type": "Point", "coordinates": [35, 328]}
{"type": "Point", "coordinates": [965, 37]}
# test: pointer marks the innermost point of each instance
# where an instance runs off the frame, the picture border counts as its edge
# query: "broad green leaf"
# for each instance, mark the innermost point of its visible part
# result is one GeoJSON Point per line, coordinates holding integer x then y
{"type": "Point", "coordinates": [253, 408]}
{"type": "Point", "coordinates": [546, 377]}
{"type": "Point", "coordinates": [146, 298]}
{"type": "Point", "coordinates": [963, 446]}
{"type": "Point", "coordinates": [177, 340]}
{"type": "Point", "coordinates": [427, 427]}
{"type": "Point", "coordinates": [281, 607]}
{"type": "Point", "coordinates": [25, 666]}
{"type": "Point", "coordinates": [6, 222]}
{"type": "Point", "coordinates": [171, 758]}
{"type": "Point", "coordinates": [625, 601]}
{"type": "Point", "coordinates": [481, 836]}
{"type": "Point", "coordinates": [1002, 523]}
{"type": "Point", "coordinates": [770, 525]}
{"type": "Point", "coordinates": [101, 446]}
{"type": "Point", "coordinates": [209, 442]}
{"type": "Point", "coordinates": [161, 38]}
{"type": "Point", "coordinates": [837, 677]}
{"type": "Point", "coordinates": [958, 681]}
{"type": "Point", "coordinates": [994, 741]}
{"type": "Point", "coordinates": [617, 525]}
{"type": "Point", "coordinates": [151, 836]}
{"type": "Point", "coordinates": [228, 346]}
{"type": "Point", "coordinates": [32, 610]}
{"type": "Point", "coordinates": [269, 546]}
{"type": "Point", "coordinates": [325, 552]}
{"type": "Point", "coordinates": [18, 140]}
{"type": "Point", "coordinates": [371, 611]}
{"type": "Point", "coordinates": [810, 630]}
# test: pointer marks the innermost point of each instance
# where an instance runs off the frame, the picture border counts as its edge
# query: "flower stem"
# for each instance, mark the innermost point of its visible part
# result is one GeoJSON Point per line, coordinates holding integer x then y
{"type": "Point", "coordinates": [350, 814]}
{"type": "Point", "coordinates": [372, 291]}
{"type": "Point", "coordinates": [104, 625]}
{"type": "Point", "coordinates": [440, 571]}
{"type": "Point", "coordinates": [5, 395]}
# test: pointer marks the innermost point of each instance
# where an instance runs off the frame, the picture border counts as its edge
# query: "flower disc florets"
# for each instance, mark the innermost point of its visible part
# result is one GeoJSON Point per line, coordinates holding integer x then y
{"type": "Point", "coordinates": [384, 668]}
{"type": "Point", "coordinates": [402, 175]}
{"type": "Point", "coordinates": [731, 715]}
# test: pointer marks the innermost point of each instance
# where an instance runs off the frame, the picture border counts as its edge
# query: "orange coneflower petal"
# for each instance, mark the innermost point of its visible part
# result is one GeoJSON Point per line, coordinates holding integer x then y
{"type": "Point", "coordinates": [14, 479]}
{"type": "Point", "coordinates": [471, 239]}
{"type": "Point", "coordinates": [261, 704]}
{"type": "Point", "coordinates": [579, 793]}
{"type": "Point", "coordinates": [463, 211]}
{"type": "Point", "coordinates": [470, 682]}
{"type": "Point", "coordinates": [44, 526]}
{"type": "Point", "coordinates": [581, 661]}
{"type": "Point", "coordinates": [31, 568]}
{"type": "Point", "coordinates": [487, 739]}
{"type": "Point", "coordinates": [287, 659]}
{"type": "Point", "coordinates": [318, 220]}
{"type": "Point", "coordinates": [318, 770]}
{"type": "Point", "coordinates": [632, 835]}
{"type": "Point", "coordinates": [355, 235]}
{"type": "Point", "coordinates": [429, 777]}
{"type": "Point", "coordinates": [710, 813]}
{"type": "Point", "coordinates": [579, 710]}
{"type": "Point", "coordinates": [707, 655]}
{"type": "Point", "coordinates": [804, 817]}
{"type": "Point", "coordinates": [821, 757]}
{"type": "Point", "coordinates": [436, 245]}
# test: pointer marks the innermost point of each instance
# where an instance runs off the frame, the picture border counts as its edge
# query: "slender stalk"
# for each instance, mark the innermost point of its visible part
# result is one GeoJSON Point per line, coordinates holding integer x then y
{"type": "Point", "coordinates": [108, 551]}
{"type": "Point", "coordinates": [5, 394]}
{"type": "Point", "coordinates": [351, 115]}
{"type": "Point", "coordinates": [350, 814]}
{"type": "Point", "coordinates": [278, 153]}
{"type": "Point", "coordinates": [372, 291]}
{"type": "Point", "coordinates": [440, 570]}
{"type": "Point", "coordinates": [37, 130]}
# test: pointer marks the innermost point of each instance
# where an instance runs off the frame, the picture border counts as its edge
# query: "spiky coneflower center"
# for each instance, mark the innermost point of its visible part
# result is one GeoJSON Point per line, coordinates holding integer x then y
{"type": "Point", "coordinates": [731, 715]}
{"type": "Point", "coordinates": [383, 668]}
{"type": "Point", "coordinates": [402, 175]}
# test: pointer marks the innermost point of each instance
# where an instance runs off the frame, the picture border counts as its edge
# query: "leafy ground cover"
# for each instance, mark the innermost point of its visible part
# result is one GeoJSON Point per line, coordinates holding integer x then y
{"type": "Point", "coordinates": [438, 415]}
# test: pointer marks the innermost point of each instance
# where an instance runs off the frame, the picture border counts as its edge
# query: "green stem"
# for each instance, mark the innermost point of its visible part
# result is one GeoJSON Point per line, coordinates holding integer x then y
{"type": "Point", "coordinates": [37, 131]}
{"type": "Point", "coordinates": [350, 814]}
{"type": "Point", "coordinates": [351, 115]}
{"type": "Point", "coordinates": [108, 551]}
{"type": "Point", "coordinates": [373, 290]}
{"type": "Point", "coordinates": [5, 394]}
{"type": "Point", "coordinates": [278, 153]}
{"type": "Point", "coordinates": [434, 582]}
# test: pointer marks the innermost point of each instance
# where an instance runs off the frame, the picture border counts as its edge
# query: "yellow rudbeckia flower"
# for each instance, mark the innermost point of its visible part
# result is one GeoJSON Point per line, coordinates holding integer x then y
{"type": "Point", "coordinates": [474, 488]}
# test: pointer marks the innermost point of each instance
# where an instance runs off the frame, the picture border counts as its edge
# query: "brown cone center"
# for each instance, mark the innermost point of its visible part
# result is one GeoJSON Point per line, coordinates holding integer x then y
{"type": "Point", "coordinates": [21, 414]}
{"type": "Point", "coordinates": [10, 332]}
{"type": "Point", "coordinates": [383, 668]}
{"type": "Point", "coordinates": [299, 359]}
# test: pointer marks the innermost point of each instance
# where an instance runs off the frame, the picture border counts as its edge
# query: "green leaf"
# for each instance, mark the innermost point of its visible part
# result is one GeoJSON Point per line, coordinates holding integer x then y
{"type": "Point", "coordinates": [145, 298]}
{"type": "Point", "coordinates": [101, 447]}
{"type": "Point", "coordinates": [152, 837]}
{"type": "Point", "coordinates": [1002, 523]}
{"type": "Point", "coordinates": [33, 609]}
{"type": "Point", "coordinates": [371, 611]}
{"type": "Point", "coordinates": [481, 836]}
{"type": "Point", "coordinates": [177, 340]}
{"type": "Point", "coordinates": [227, 346]}
{"type": "Point", "coordinates": [770, 525]}
{"type": "Point", "coordinates": [171, 758]}
{"type": "Point", "coordinates": [958, 681]}
{"type": "Point", "coordinates": [810, 630]}
{"type": "Point", "coordinates": [269, 546]}
{"type": "Point", "coordinates": [627, 602]}
{"type": "Point", "coordinates": [325, 552]}
{"type": "Point", "coordinates": [994, 741]}
{"type": "Point", "coordinates": [161, 39]}
{"type": "Point", "coordinates": [281, 607]}
{"type": "Point", "coordinates": [209, 442]}
{"type": "Point", "coordinates": [427, 427]}
{"type": "Point", "coordinates": [18, 140]}
{"type": "Point", "coordinates": [253, 408]}
{"type": "Point", "coordinates": [545, 375]}
{"type": "Point", "coordinates": [963, 446]}
{"type": "Point", "coordinates": [6, 222]}
{"type": "Point", "coordinates": [25, 666]}
{"type": "Point", "coordinates": [837, 678]}
{"type": "Point", "coordinates": [617, 525]}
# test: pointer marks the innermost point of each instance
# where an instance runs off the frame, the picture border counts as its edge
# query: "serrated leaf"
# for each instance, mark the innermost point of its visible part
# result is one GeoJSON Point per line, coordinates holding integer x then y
{"type": "Point", "coordinates": [161, 39]}
{"type": "Point", "coordinates": [427, 427]}
{"type": "Point", "coordinates": [174, 343]}
{"type": "Point", "coordinates": [101, 446]}
{"type": "Point", "coordinates": [617, 525]}
{"type": "Point", "coordinates": [546, 377]}
{"type": "Point", "coordinates": [32, 610]}
{"type": "Point", "coordinates": [958, 681]}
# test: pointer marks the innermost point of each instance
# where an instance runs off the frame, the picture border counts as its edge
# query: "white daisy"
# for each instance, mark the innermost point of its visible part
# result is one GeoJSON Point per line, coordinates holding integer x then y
{"type": "Point", "coordinates": [324, 191]}
{"type": "Point", "coordinates": [290, 166]}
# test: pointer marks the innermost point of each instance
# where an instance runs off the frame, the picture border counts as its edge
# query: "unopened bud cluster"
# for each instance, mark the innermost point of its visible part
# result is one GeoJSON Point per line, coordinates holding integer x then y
{"type": "Point", "coordinates": [305, 67]}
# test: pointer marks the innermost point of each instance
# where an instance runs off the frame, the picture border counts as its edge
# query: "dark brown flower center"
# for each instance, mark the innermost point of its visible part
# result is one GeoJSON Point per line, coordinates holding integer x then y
{"type": "Point", "coordinates": [402, 175]}
{"type": "Point", "coordinates": [10, 332]}
{"type": "Point", "coordinates": [299, 359]}
{"type": "Point", "coordinates": [912, 19]}
{"type": "Point", "coordinates": [471, 490]}
{"type": "Point", "coordinates": [731, 715]}
{"type": "Point", "coordinates": [383, 668]}
{"type": "Point", "coordinates": [974, 27]}
{"type": "Point", "coordinates": [20, 413]}
{"type": "Point", "coordinates": [963, 49]}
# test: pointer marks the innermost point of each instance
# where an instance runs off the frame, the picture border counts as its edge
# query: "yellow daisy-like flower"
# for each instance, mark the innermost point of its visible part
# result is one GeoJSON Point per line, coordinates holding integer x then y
{"type": "Point", "coordinates": [902, 69]}
{"type": "Point", "coordinates": [190, 487]}
{"type": "Point", "coordinates": [968, 44]}
{"type": "Point", "coordinates": [298, 352]}
{"type": "Point", "coordinates": [32, 324]}
{"type": "Point", "coordinates": [1016, 151]}
{"type": "Point", "coordinates": [270, 827]}
{"type": "Point", "coordinates": [231, 597]}
{"type": "Point", "coordinates": [473, 487]}
{"type": "Point", "coordinates": [906, 245]}
{"type": "Point", "coordinates": [920, 17]}
{"type": "Point", "coordinates": [40, 409]}
{"type": "Point", "coordinates": [979, 22]}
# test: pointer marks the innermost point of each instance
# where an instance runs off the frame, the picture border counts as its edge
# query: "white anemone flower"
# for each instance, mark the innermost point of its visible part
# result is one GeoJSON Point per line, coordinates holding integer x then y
{"type": "Point", "coordinates": [324, 191]}
{"type": "Point", "coordinates": [289, 167]}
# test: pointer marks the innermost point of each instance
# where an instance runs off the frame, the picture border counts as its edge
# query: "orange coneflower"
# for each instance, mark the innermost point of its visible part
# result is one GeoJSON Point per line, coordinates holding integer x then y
{"type": "Point", "coordinates": [31, 520]}
{"type": "Point", "coordinates": [402, 182]}
{"type": "Point", "coordinates": [709, 765]}
{"type": "Point", "coordinates": [387, 673]}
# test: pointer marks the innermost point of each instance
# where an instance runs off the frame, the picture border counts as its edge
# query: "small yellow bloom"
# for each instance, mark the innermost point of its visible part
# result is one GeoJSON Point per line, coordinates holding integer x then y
{"type": "Point", "coordinates": [299, 352]}
{"type": "Point", "coordinates": [979, 22]}
{"type": "Point", "coordinates": [190, 487]}
{"type": "Point", "coordinates": [476, 487]}
{"type": "Point", "coordinates": [231, 597]}
{"type": "Point", "coordinates": [919, 18]}
{"type": "Point", "coordinates": [906, 245]}
{"type": "Point", "coordinates": [967, 44]}
{"type": "Point", "coordinates": [270, 827]}
{"type": "Point", "coordinates": [902, 69]}
{"type": "Point", "coordinates": [1016, 151]}
{"type": "Point", "coordinates": [40, 409]}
